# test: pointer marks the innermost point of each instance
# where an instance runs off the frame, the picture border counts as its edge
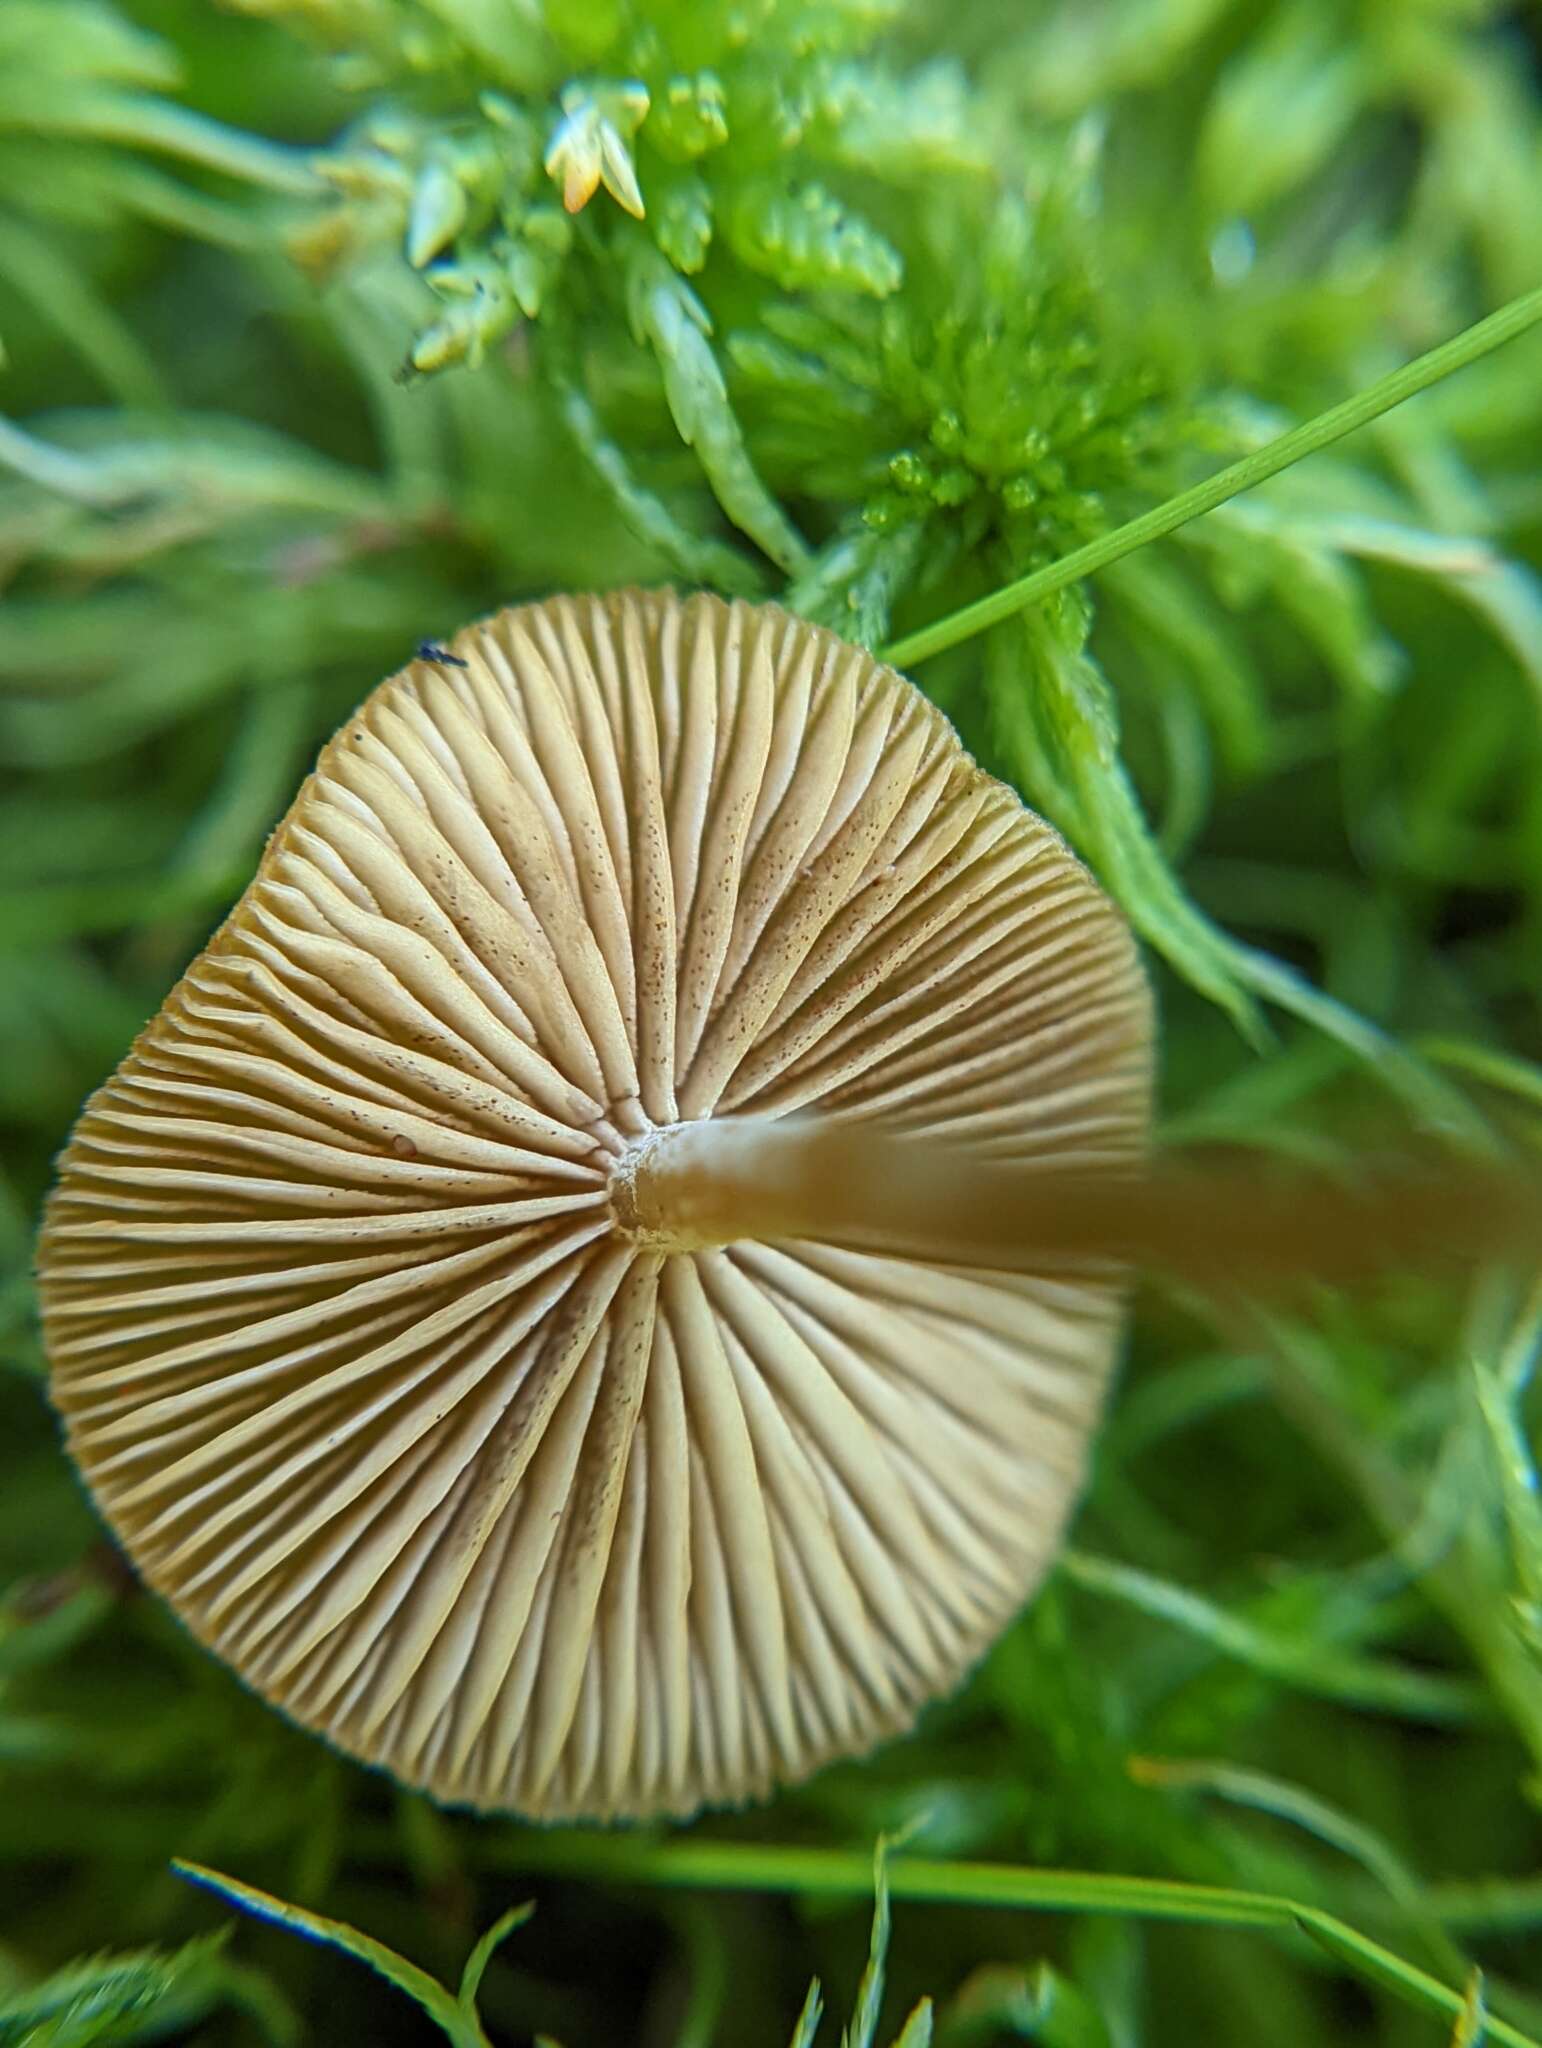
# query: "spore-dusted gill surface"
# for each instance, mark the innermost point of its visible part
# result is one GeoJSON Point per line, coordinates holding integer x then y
{"type": "Point", "coordinates": [353, 1348]}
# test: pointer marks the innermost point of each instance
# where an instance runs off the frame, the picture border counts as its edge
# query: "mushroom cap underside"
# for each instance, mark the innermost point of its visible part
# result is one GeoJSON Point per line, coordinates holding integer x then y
{"type": "Point", "coordinates": [358, 1353]}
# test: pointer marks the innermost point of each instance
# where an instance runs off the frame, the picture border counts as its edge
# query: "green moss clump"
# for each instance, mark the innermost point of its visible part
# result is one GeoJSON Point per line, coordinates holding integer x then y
{"type": "Point", "coordinates": [329, 324]}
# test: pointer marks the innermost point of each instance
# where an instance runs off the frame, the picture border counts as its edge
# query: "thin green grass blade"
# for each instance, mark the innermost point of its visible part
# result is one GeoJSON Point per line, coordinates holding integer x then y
{"type": "Point", "coordinates": [447, 2012]}
{"type": "Point", "coordinates": [835, 1873]}
{"type": "Point", "coordinates": [1467, 347]}
{"type": "Point", "coordinates": [482, 1954]}
{"type": "Point", "coordinates": [808, 2020]}
{"type": "Point", "coordinates": [1489, 1905]}
{"type": "Point", "coordinates": [144, 123]}
{"type": "Point", "coordinates": [63, 294]}
{"type": "Point", "coordinates": [864, 2019]}
{"type": "Point", "coordinates": [705, 1962]}
{"type": "Point", "coordinates": [1372, 1684]}
{"type": "Point", "coordinates": [1502, 1070]}
{"type": "Point", "coordinates": [1314, 1816]}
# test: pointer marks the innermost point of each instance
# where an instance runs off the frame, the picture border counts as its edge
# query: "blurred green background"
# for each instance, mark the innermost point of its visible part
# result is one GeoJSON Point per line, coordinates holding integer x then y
{"type": "Point", "coordinates": [304, 363]}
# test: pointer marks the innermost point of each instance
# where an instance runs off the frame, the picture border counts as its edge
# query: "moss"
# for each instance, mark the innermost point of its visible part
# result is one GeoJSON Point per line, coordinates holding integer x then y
{"type": "Point", "coordinates": [918, 298]}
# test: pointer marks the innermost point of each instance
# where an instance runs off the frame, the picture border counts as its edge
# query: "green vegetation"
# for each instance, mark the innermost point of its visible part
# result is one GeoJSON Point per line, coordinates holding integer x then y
{"type": "Point", "coordinates": [877, 307]}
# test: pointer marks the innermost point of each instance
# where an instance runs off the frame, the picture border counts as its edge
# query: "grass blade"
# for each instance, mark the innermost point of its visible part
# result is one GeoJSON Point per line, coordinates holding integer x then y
{"type": "Point", "coordinates": [838, 1873]}
{"type": "Point", "coordinates": [455, 2017]}
{"type": "Point", "coordinates": [1330, 426]}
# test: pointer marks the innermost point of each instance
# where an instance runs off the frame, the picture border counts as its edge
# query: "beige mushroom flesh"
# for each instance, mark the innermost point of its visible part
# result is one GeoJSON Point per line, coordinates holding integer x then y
{"type": "Point", "coordinates": [412, 1310]}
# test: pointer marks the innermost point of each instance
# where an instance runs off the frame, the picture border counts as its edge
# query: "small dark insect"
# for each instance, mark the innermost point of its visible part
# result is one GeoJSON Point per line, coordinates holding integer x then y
{"type": "Point", "coordinates": [430, 650]}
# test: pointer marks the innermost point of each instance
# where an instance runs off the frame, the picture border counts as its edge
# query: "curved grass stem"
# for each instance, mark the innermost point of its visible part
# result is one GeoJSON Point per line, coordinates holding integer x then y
{"type": "Point", "coordinates": [837, 1873]}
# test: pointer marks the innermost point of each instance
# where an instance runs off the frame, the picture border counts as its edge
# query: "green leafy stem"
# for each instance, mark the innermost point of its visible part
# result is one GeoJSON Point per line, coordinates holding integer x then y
{"type": "Point", "coordinates": [1484, 336]}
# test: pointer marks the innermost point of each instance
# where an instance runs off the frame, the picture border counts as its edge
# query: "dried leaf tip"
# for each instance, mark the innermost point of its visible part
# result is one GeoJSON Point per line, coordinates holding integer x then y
{"type": "Point", "coordinates": [591, 144]}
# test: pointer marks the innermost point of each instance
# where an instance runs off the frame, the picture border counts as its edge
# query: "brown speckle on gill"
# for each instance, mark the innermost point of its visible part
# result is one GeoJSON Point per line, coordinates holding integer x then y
{"type": "Point", "coordinates": [395, 1289]}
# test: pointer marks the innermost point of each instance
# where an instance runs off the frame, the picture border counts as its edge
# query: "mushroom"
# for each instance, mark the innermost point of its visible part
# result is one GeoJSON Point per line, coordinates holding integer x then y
{"type": "Point", "coordinates": [410, 1310]}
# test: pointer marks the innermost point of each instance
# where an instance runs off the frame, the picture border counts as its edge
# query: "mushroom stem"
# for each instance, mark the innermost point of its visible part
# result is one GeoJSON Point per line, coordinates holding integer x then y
{"type": "Point", "coordinates": [1227, 1226]}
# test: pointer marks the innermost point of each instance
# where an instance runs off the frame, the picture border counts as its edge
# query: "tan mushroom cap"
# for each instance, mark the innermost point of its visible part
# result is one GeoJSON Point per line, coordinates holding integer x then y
{"type": "Point", "coordinates": [362, 1342]}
